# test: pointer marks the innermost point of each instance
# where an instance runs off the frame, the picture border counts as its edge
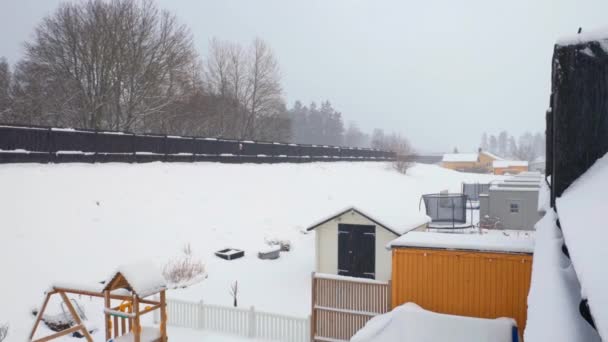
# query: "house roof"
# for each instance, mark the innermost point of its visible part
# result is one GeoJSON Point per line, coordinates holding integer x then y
{"type": "Point", "coordinates": [581, 210]}
{"type": "Point", "coordinates": [511, 241]}
{"type": "Point", "coordinates": [397, 225]}
{"type": "Point", "coordinates": [491, 155]}
{"type": "Point", "coordinates": [410, 322]}
{"type": "Point", "coordinates": [509, 163]}
{"type": "Point", "coordinates": [461, 157]}
{"type": "Point", "coordinates": [143, 279]}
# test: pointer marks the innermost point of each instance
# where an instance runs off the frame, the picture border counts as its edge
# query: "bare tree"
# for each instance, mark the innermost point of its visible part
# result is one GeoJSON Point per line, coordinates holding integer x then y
{"type": "Point", "coordinates": [5, 86]}
{"type": "Point", "coordinates": [263, 88]}
{"type": "Point", "coordinates": [234, 292]}
{"type": "Point", "coordinates": [3, 331]}
{"type": "Point", "coordinates": [119, 61]}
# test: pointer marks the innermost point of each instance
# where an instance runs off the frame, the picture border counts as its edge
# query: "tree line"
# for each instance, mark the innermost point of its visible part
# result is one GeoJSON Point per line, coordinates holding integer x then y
{"type": "Point", "coordinates": [527, 147]}
{"type": "Point", "coordinates": [127, 65]}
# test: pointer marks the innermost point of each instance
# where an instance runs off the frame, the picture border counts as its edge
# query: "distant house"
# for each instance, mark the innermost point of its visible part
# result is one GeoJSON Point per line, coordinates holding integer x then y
{"type": "Point", "coordinates": [470, 162]}
{"type": "Point", "coordinates": [512, 167]}
{"type": "Point", "coordinates": [538, 165]}
{"type": "Point", "coordinates": [352, 243]}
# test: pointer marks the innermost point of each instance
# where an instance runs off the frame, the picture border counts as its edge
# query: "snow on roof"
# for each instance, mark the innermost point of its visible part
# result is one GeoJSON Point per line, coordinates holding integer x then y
{"type": "Point", "coordinates": [554, 291]}
{"type": "Point", "coordinates": [599, 35]}
{"type": "Point", "coordinates": [460, 157]}
{"type": "Point", "coordinates": [410, 322]}
{"type": "Point", "coordinates": [398, 221]}
{"type": "Point", "coordinates": [509, 163]}
{"type": "Point", "coordinates": [511, 241]}
{"type": "Point", "coordinates": [491, 155]}
{"type": "Point", "coordinates": [581, 210]}
{"type": "Point", "coordinates": [145, 278]}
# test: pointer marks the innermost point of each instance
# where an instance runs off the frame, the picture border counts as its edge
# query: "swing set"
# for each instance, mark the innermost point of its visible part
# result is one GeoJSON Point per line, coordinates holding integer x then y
{"type": "Point", "coordinates": [133, 286]}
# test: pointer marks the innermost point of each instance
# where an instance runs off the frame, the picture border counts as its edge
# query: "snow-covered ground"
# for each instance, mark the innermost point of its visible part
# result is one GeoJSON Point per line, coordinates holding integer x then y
{"type": "Point", "coordinates": [76, 223]}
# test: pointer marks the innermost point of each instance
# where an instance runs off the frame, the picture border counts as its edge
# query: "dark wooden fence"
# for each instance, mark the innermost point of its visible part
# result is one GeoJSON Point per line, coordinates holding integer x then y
{"type": "Point", "coordinates": [19, 144]}
{"type": "Point", "coordinates": [577, 123]}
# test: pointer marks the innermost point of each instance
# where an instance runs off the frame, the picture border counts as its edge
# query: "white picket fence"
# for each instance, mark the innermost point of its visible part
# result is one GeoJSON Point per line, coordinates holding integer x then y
{"type": "Point", "coordinates": [236, 321]}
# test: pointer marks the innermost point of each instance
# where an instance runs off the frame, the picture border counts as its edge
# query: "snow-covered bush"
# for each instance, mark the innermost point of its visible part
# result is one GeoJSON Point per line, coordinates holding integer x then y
{"type": "Point", "coordinates": [283, 243]}
{"type": "Point", "coordinates": [3, 331]}
{"type": "Point", "coordinates": [184, 271]}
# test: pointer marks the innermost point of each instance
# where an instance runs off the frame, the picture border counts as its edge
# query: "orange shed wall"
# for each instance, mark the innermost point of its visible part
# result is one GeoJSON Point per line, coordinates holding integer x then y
{"type": "Point", "coordinates": [487, 285]}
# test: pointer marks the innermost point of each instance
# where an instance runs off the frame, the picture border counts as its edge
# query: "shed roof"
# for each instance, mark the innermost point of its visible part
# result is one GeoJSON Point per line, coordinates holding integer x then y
{"type": "Point", "coordinates": [397, 224]}
{"type": "Point", "coordinates": [461, 157]}
{"type": "Point", "coordinates": [581, 210]}
{"type": "Point", "coordinates": [143, 279]}
{"type": "Point", "coordinates": [510, 241]}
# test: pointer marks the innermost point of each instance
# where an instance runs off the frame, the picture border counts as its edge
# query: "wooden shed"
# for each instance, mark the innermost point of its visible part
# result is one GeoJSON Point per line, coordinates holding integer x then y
{"type": "Point", "coordinates": [352, 243]}
{"type": "Point", "coordinates": [470, 274]}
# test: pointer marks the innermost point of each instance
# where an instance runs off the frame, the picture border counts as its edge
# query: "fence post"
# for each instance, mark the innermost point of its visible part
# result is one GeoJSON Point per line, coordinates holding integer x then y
{"type": "Point", "coordinates": [134, 148]}
{"type": "Point", "coordinates": [252, 323]}
{"type": "Point", "coordinates": [156, 312]}
{"type": "Point", "coordinates": [50, 144]}
{"type": "Point", "coordinates": [312, 312]}
{"type": "Point", "coordinates": [201, 315]}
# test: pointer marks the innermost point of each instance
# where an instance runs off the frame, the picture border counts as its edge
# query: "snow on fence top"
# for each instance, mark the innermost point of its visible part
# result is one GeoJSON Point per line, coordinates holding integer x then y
{"type": "Point", "coordinates": [145, 278]}
{"type": "Point", "coordinates": [510, 241]}
{"type": "Point", "coordinates": [410, 322]}
{"type": "Point", "coordinates": [581, 210]}
{"type": "Point", "coordinates": [509, 163]}
{"type": "Point", "coordinates": [599, 35]}
{"type": "Point", "coordinates": [460, 157]}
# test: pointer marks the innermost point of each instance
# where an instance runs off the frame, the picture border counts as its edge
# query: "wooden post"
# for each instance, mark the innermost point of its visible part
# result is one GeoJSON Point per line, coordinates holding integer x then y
{"type": "Point", "coordinates": [312, 312]}
{"type": "Point", "coordinates": [136, 322]}
{"type": "Point", "coordinates": [107, 304]}
{"type": "Point", "coordinates": [40, 314]}
{"type": "Point", "coordinates": [163, 316]}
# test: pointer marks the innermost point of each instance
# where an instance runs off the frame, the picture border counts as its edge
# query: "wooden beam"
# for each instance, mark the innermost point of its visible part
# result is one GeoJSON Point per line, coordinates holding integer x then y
{"type": "Point", "coordinates": [137, 323]}
{"type": "Point", "coordinates": [61, 333]}
{"type": "Point", "coordinates": [107, 304]}
{"type": "Point", "coordinates": [101, 295]}
{"type": "Point", "coordinates": [40, 314]}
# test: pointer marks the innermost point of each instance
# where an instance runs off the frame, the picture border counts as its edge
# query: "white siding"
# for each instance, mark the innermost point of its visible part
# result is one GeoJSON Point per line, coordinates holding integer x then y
{"type": "Point", "coordinates": [327, 245]}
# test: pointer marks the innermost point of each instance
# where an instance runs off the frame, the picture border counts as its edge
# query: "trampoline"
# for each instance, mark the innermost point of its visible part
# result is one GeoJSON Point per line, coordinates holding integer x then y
{"type": "Point", "coordinates": [447, 211]}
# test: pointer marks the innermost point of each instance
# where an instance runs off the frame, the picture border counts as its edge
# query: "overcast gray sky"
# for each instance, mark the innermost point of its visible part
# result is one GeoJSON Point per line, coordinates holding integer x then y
{"type": "Point", "coordinates": [439, 72]}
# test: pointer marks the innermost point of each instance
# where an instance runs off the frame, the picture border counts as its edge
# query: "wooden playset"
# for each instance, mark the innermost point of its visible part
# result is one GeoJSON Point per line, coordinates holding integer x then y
{"type": "Point", "coordinates": [133, 286]}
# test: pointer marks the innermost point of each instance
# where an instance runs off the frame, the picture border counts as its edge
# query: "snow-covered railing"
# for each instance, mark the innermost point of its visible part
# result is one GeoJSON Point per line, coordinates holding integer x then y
{"type": "Point", "coordinates": [238, 321]}
{"type": "Point", "coordinates": [343, 305]}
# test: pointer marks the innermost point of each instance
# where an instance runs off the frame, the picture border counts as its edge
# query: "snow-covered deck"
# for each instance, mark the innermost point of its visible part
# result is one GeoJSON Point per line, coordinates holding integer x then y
{"type": "Point", "coordinates": [410, 322]}
{"type": "Point", "coordinates": [582, 213]}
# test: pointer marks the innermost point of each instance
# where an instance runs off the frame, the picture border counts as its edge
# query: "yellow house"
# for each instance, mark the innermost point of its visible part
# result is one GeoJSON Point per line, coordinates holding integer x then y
{"type": "Point", "coordinates": [470, 162]}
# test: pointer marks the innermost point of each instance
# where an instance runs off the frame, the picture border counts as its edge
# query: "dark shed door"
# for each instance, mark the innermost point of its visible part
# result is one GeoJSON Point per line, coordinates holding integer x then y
{"type": "Point", "coordinates": [357, 250]}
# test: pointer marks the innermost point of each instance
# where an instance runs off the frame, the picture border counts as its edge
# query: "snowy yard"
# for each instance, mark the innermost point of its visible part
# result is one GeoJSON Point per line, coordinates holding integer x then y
{"type": "Point", "coordinates": [76, 223]}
